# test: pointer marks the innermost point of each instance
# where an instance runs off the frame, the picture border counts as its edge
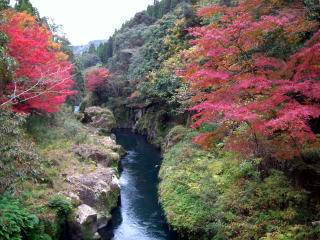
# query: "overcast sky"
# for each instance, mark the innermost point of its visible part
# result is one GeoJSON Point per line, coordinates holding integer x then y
{"type": "Point", "coordinates": [84, 20]}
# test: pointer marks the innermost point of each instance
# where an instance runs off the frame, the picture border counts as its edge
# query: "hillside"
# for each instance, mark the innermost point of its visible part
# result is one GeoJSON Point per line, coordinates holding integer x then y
{"type": "Point", "coordinates": [227, 90]}
{"type": "Point", "coordinates": [79, 49]}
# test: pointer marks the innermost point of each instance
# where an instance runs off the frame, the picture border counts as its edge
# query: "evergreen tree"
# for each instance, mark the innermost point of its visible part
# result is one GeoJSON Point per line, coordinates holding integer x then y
{"type": "Point", "coordinates": [92, 48]}
{"type": "Point", "coordinates": [4, 4]}
{"type": "Point", "coordinates": [105, 50]}
{"type": "Point", "coordinates": [157, 12]}
{"type": "Point", "coordinates": [109, 48]}
{"type": "Point", "coordinates": [167, 6]}
{"type": "Point", "coordinates": [25, 5]}
{"type": "Point", "coordinates": [151, 11]}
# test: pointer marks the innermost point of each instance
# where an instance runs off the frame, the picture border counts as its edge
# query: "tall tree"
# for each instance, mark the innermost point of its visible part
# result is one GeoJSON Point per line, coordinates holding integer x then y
{"type": "Point", "coordinates": [249, 74]}
{"type": "Point", "coordinates": [42, 79]}
{"type": "Point", "coordinates": [167, 6]}
{"type": "Point", "coordinates": [25, 5]}
{"type": "Point", "coordinates": [109, 48]}
{"type": "Point", "coordinates": [4, 4]}
{"type": "Point", "coordinates": [92, 48]}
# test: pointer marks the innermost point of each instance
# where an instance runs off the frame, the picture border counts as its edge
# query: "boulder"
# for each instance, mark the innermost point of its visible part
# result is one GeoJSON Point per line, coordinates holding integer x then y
{"type": "Point", "coordinates": [86, 219]}
{"type": "Point", "coordinates": [109, 142]}
{"type": "Point", "coordinates": [98, 189]}
{"type": "Point", "coordinates": [105, 156]}
{"type": "Point", "coordinates": [97, 193]}
{"type": "Point", "coordinates": [100, 118]}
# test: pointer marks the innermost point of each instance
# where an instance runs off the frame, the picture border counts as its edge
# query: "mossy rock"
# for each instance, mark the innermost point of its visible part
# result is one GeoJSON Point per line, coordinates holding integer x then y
{"type": "Point", "coordinates": [175, 135]}
{"type": "Point", "coordinates": [100, 118]}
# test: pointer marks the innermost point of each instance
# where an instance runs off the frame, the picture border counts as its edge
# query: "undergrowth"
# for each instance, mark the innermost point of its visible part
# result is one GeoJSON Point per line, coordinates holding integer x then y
{"type": "Point", "coordinates": [219, 195]}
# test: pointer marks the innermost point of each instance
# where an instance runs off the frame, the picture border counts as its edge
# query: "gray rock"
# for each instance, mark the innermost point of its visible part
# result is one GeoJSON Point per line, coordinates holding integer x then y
{"type": "Point", "coordinates": [100, 118]}
{"type": "Point", "coordinates": [96, 236]}
{"type": "Point", "coordinates": [97, 192]}
{"type": "Point", "coordinates": [86, 219]}
{"type": "Point", "coordinates": [98, 189]}
{"type": "Point", "coordinates": [104, 155]}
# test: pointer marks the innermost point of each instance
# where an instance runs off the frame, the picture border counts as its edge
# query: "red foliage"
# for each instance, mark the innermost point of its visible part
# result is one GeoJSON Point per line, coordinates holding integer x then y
{"type": "Point", "coordinates": [239, 83]}
{"type": "Point", "coordinates": [42, 80]}
{"type": "Point", "coordinates": [133, 95]}
{"type": "Point", "coordinates": [97, 78]}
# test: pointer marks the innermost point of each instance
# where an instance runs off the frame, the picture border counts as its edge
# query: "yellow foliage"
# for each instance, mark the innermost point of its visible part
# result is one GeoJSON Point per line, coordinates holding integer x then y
{"type": "Point", "coordinates": [60, 56]}
{"type": "Point", "coordinates": [25, 19]}
{"type": "Point", "coordinates": [54, 45]}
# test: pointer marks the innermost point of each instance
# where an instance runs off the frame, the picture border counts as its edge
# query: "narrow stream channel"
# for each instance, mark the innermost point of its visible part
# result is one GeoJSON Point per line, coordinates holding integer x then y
{"type": "Point", "coordinates": [139, 216]}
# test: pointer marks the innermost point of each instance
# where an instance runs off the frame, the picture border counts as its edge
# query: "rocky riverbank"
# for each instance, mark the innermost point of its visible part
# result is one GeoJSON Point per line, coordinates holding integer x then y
{"type": "Point", "coordinates": [96, 188]}
{"type": "Point", "coordinates": [85, 173]}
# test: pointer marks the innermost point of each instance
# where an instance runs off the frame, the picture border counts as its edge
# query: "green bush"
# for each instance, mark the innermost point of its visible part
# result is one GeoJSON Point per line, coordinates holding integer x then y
{"type": "Point", "coordinates": [50, 128]}
{"type": "Point", "coordinates": [62, 207]}
{"type": "Point", "coordinates": [18, 159]}
{"type": "Point", "coordinates": [221, 196]}
{"type": "Point", "coordinates": [17, 223]}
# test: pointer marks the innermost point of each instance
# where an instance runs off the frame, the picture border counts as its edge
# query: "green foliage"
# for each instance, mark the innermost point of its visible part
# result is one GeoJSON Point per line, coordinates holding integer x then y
{"type": "Point", "coordinates": [149, 55]}
{"type": "Point", "coordinates": [184, 176]}
{"type": "Point", "coordinates": [18, 159]}
{"type": "Point", "coordinates": [220, 196]}
{"type": "Point", "coordinates": [16, 223]}
{"type": "Point", "coordinates": [92, 48]}
{"type": "Point", "coordinates": [63, 209]}
{"type": "Point", "coordinates": [79, 84]}
{"type": "Point", "coordinates": [153, 124]}
{"type": "Point", "coordinates": [175, 135]}
{"type": "Point", "coordinates": [160, 8]}
{"type": "Point", "coordinates": [7, 64]}
{"type": "Point", "coordinates": [4, 4]}
{"type": "Point", "coordinates": [65, 45]}
{"type": "Point", "coordinates": [58, 127]}
{"type": "Point", "coordinates": [105, 50]}
{"type": "Point", "coordinates": [25, 5]}
{"type": "Point", "coordinates": [89, 59]}
{"type": "Point", "coordinates": [312, 9]}
{"type": "Point", "coordinates": [154, 66]}
{"type": "Point", "coordinates": [61, 206]}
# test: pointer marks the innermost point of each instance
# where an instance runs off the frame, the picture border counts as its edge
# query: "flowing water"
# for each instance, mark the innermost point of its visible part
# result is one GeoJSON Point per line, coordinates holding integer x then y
{"type": "Point", "coordinates": [139, 216]}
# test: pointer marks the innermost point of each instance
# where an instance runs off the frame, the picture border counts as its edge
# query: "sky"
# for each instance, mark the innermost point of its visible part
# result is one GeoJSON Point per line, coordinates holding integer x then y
{"type": "Point", "coordinates": [84, 20]}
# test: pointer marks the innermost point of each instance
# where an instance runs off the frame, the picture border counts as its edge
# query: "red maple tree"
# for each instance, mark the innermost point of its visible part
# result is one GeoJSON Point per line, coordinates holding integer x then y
{"type": "Point", "coordinates": [43, 78]}
{"type": "Point", "coordinates": [239, 82]}
{"type": "Point", "coordinates": [97, 78]}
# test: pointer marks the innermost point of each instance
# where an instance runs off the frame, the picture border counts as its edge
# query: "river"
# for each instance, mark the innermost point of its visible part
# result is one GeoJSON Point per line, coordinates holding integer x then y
{"type": "Point", "coordinates": [139, 215]}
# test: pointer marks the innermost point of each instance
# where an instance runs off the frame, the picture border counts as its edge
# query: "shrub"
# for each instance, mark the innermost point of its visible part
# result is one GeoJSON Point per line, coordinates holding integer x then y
{"type": "Point", "coordinates": [221, 196]}
{"type": "Point", "coordinates": [18, 159]}
{"type": "Point", "coordinates": [61, 206]}
{"type": "Point", "coordinates": [50, 128]}
{"type": "Point", "coordinates": [17, 223]}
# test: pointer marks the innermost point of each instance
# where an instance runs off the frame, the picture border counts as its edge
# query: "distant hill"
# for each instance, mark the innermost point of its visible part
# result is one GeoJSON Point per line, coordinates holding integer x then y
{"type": "Point", "coordinates": [79, 49]}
